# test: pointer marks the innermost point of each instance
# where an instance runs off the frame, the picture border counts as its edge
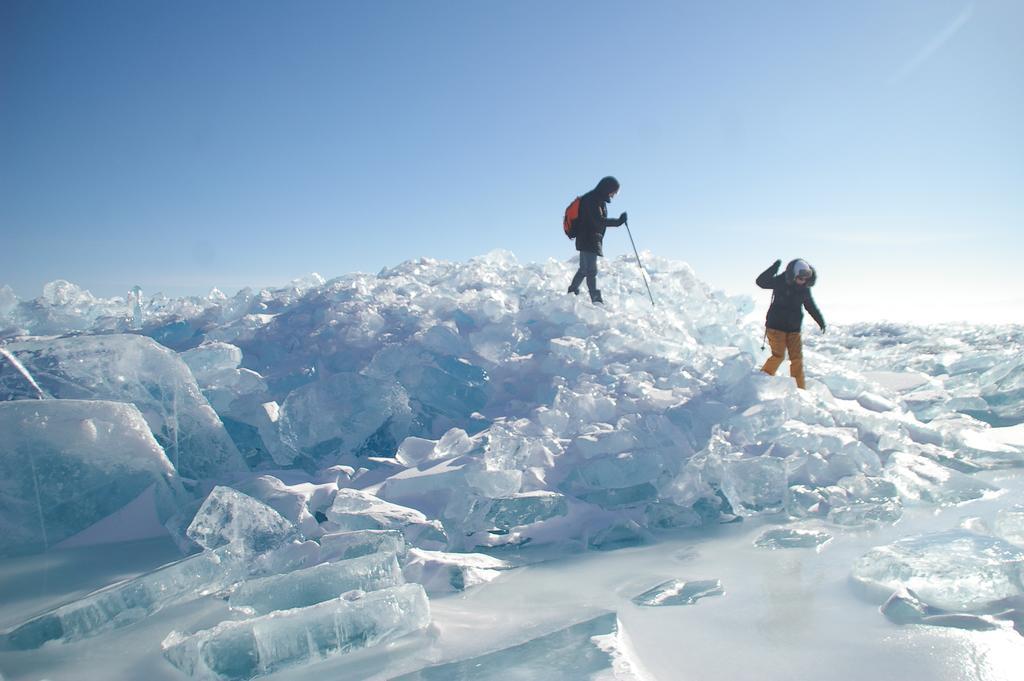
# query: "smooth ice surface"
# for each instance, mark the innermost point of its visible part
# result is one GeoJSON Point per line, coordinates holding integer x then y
{"type": "Point", "coordinates": [229, 517]}
{"type": "Point", "coordinates": [316, 584]}
{"type": "Point", "coordinates": [66, 464]}
{"type": "Point", "coordinates": [135, 369]}
{"type": "Point", "coordinates": [953, 570]}
{"type": "Point", "coordinates": [247, 648]}
{"type": "Point", "coordinates": [680, 592]}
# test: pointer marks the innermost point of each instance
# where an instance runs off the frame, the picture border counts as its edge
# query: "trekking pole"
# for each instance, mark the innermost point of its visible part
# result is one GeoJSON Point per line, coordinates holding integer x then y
{"type": "Point", "coordinates": [638, 264]}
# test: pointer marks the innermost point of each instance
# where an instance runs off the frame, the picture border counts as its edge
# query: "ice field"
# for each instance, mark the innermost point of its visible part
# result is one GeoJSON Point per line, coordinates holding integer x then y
{"type": "Point", "coordinates": [458, 471]}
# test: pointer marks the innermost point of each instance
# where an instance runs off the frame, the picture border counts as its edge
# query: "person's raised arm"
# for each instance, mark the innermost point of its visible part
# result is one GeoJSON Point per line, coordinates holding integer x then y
{"type": "Point", "coordinates": [764, 280]}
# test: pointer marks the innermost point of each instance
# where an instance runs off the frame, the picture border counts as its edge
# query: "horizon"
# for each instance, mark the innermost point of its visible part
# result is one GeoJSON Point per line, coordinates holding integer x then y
{"type": "Point", "coordinates": [189, 147]}
{"type": "Point", "coordinates": [759, 297]}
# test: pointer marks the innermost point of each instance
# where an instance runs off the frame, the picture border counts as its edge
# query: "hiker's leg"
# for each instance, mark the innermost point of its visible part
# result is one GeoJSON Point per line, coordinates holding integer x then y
{"type": "Point", "coordinates": [574, 287]}
{"type": "Point", "coordinates": [588, 266]}
{"type": "Point", "coordinates": [777, 342]}
{"type": "Point", "coordinates": [794, 345]}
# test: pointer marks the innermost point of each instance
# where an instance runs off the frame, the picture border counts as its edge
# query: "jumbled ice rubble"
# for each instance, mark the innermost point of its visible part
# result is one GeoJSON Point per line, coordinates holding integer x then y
{"type": "Point", "coordinates": [435, 418]}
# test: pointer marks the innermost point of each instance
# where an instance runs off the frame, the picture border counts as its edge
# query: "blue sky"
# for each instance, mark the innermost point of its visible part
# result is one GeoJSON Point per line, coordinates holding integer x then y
{"type": "Point", "coordinates": [186, 145]}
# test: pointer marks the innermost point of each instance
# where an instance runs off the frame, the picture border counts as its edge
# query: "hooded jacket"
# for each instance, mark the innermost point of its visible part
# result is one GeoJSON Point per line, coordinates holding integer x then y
{"type": "Point", "coordinates": [789, 299]}
{"type": "Point", "coordinates": [593, 218]}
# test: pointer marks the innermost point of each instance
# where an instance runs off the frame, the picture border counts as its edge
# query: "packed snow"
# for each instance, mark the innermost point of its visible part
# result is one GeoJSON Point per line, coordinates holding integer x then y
{"type": "Point", "coordinates": [457, 470]}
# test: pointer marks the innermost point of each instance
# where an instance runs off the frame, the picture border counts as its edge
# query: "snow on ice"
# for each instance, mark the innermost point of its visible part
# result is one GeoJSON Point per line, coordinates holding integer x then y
{"type": "Point", "coordinates": [334, 451]}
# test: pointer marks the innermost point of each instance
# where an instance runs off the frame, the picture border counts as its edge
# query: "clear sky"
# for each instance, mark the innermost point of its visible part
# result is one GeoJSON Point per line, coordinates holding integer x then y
{"type": "Point", "coordinates": [186, 145]}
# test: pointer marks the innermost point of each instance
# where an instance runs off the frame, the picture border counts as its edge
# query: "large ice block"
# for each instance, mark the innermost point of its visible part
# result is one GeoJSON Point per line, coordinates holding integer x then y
{"type": "Point", "coordinates": [441, 572]}
{"type": "Point", "coordinates": [525, 509]}
{"type": "Point", "coordinates": [292, 502]}
{"type": "Point", "coordinates": [343, 414]}
{"type": "Point", "coordinates": [240, 650]}
{"type": "Point", "coordinates": [66, 464]}
{"type": "Point", "coordinates": [230, 517]}
{"type": "Point", "coordinates": [355, 543]}
{"type": "Point", "coordinates": [242, 400]}
{"type": "Point", "coordinates": [754, 485]}
{"type": "Point", "coordinates": [1002, 387]}
{"type": "Point", "coordinates": [316, 584]}
{"type": "Point", "coordinates": [210, 360]}
{"type": "Point", "coordinates": [624, 479]}
{"type": "Point", "coordinates": [443, 389]}
{"type": "Point", "coordinates": [415, 450]}
{"type": "Point", "coordinates": [955, 570]}
{"type": "Point", "coordinates": [863, 501]}
{"type": "Point", "coordinates": [923, 479]}
{"type": "Point", "coordinates": [127, 602]}
{"type": "Point", "coordinates": [358, 510]}
{"type": "Point", "coordinates": [136, 369]}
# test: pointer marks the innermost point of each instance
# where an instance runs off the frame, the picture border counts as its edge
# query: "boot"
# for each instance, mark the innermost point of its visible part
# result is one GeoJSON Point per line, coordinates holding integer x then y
{"type": "Point", "coordinates": [574, 291]}
{"type": "Point", "coordinates": [595, 297]}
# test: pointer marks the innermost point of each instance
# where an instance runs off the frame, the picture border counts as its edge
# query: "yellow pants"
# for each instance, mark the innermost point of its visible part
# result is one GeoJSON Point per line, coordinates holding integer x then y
{"type": "Point", "coordinates": [780, 342]}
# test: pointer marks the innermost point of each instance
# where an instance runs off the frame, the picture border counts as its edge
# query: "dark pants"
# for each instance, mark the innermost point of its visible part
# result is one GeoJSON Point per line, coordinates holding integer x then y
{"type": "Point", "coordinates": [588, 271]}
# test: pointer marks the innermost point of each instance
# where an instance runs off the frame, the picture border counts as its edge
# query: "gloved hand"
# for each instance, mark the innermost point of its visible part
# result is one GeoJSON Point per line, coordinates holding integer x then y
{"type": "Point", "coordinates": [822, 327]}
{"type": "Point", "coordinates": [622, 218]}
{"type": "Point", "coordinates": [777, 264]}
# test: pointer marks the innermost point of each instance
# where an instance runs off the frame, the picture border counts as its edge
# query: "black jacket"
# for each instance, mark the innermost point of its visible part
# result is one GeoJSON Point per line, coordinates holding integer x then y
{"type": "Point", "coordinates": [593, 219]}
{"type": "Point", "coordinates": [786, 313]}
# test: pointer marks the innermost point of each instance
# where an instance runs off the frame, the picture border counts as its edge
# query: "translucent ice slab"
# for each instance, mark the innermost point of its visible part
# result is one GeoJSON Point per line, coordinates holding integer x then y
{"type": "Point", "coordinates": [66, 464]}
{"type": "Point", "coordinates": [355, 543]}
{"type": "Point", "coordinates": [923, 479]}
{"type": "Point", "coordinates": [136, 369]}
{"type": "Point", "coordinates": [132, 600]}
{"type": "Point", "coordinates": [359, 510]}
{"type": "Point", "coordinates": [956, 570]}
{"type": "Point", "coordinates": [441, 572]}
{"type": "Point", "coordinates": [230, 517]}
{"type": "Point", "coordinates": [239, 650]}
{"type": "Point", "coordinates": [317, 584]}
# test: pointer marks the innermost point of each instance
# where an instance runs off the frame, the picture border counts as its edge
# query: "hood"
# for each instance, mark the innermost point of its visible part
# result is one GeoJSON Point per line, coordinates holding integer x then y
{"type": "Point", "coordinates": [799, 264]}
{"type": "Point", "coordinates": [606, 187]}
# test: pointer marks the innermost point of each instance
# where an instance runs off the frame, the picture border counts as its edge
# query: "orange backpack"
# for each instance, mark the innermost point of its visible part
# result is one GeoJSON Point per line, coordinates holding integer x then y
{"type": "Point", "coordinates": [569, 222]}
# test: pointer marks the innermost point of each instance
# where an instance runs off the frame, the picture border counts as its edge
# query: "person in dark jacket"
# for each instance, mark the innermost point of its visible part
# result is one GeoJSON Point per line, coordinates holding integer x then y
{"type": "Point", "coordinates": [590, 227]}
{"type": "Point", "coordinates": [791, 294]}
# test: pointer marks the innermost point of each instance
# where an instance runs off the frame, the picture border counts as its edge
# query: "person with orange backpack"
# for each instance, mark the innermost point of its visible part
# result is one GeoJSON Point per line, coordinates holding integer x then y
{"type": "Point", "coordinates": [588, 229]}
